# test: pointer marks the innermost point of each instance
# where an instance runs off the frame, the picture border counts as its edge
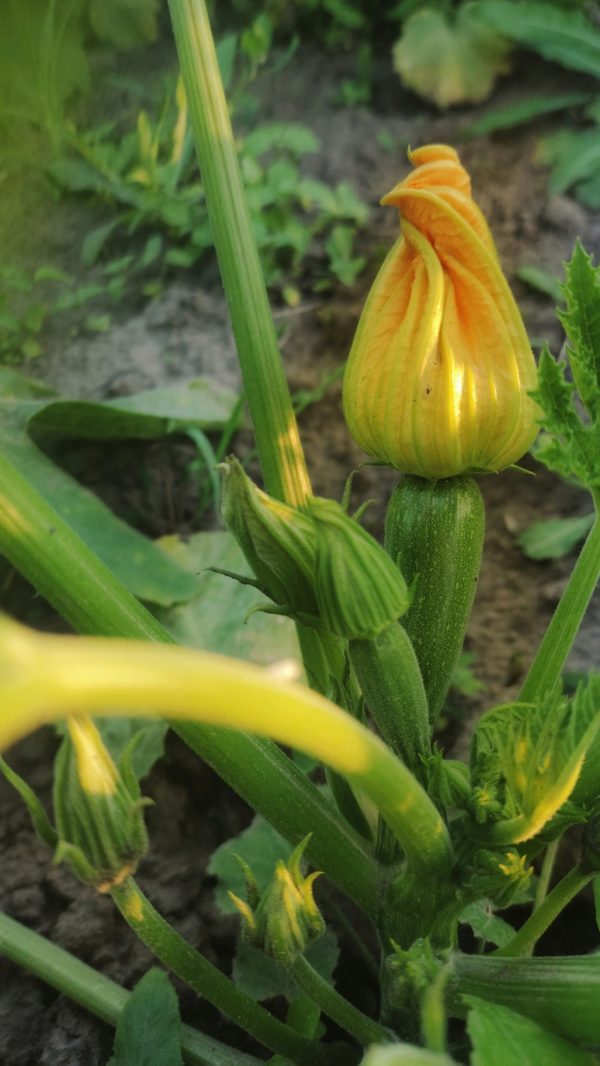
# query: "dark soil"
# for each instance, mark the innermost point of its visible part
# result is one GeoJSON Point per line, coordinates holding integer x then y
{"type": "Point", "coordinates": [184, 333]}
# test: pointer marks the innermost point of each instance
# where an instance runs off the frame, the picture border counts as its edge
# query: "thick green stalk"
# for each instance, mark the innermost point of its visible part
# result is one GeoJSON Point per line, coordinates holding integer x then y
{"type": "Point", "coordinates": [197, 972]}
{"type": "Point", "coordinates": [97, 993]}
{"type": "Point", "coordinates": [53, 558]}
{"type": "Point", "coordinates": [544, 672]}
{"type": "Point", "coordinates": [364, 1029]}
{"type": "Point", "coordinates": [434, 533]}
{"type": "Point", "coordinates": [390, 678]}
{"type": "Point", "coordinates": [46, 677]}
{"type": "Point", "coordinates": [559, 993]}
{"type": "Point", "coordinates": [541, 919]}
{"type": "Point", "coordinates": [277, 438]}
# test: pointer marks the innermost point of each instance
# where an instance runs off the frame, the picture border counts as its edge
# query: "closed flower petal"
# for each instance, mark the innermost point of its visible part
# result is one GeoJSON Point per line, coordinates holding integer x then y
{"type": "Point", "coordinates": [438, 377]}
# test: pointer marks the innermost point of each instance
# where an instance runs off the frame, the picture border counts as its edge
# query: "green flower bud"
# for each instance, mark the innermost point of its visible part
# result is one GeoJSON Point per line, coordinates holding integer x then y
{"type": "Point", "coordinates": [408, 974]}
{"type": "Point", "coordinates": [286, 919]}
{"type": "Point", "coordinates": [277, 540]}
{"type": "Point", "coordinates": [449, 781]}
{"type": "Point", "coordinates": [98, 809]}
{"type": "Point", "coordinates": [359, 591]}
{"type": "Point", "coordinates": [502, 876]}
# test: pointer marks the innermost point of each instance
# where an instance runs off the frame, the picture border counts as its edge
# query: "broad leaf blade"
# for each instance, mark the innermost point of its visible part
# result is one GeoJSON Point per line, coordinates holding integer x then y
{"type": "Point", "coordinates": [485, 924]}
{"type": "Point", "coordinates": [581, 320]}
{"type": "Point", "coordinates": [532, 107]}
{"type": "Point", "coordinates": [559, 34]}
{"type": "Point", "coordinates": [554, 538]}
{"type": "Point", "coordinates": [261, 847]}
{"type": "Point", "coordinates": [215, 618]}
{"type": "Point", "coordinates": [143, 568]}
{"type": "Point", "coordinates": [149, 1029]}
{"type": "Point", "coordinates": [500, 1036]}
{"type": "Point", "coordinates": [450, 62]}
{"type": "Point", "coordinates": [145, 415]}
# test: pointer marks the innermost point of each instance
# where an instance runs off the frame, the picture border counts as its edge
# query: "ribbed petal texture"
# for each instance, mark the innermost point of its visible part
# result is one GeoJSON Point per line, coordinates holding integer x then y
{"type": "Point", "coordinates": [440, 368]}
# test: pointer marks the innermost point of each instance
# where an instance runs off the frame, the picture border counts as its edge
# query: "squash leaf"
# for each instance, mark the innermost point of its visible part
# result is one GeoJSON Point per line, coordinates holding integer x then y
{"type": "Point", "coordinates": [148, 1030]}
{"type": "Point", "coordinates": [450, 61]}
{"type": "Point", "coordinates": [571, 443]}
{"type": "Point", "coordinates": [500, 1035]}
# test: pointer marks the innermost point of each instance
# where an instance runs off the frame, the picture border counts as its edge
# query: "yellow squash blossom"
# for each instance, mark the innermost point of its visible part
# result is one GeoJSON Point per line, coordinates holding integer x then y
{"type": "Point", "coordinates": [440, 368]}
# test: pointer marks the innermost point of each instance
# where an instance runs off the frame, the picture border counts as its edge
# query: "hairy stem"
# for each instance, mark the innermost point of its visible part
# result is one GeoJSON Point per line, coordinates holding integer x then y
{"type": "Point", "coordinates": [46, 677]}
{"type": "Point", "coordinates": [97, 993]}
{"type": "Point", "coordinates": [536, 925]}
{"type": "Point", "coordinates": [364, 1029]}
{"type": "Point", "coordinates": [197, 972]}
{"type": "Point", "coordinates": [546, 668]}
{"type": "Point", "coordinates": [277, 438]}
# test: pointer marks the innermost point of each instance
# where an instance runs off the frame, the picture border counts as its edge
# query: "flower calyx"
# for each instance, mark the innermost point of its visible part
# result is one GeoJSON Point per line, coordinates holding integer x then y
{"type": "Point", "coordinates": [98, 809]}
{"type": "Point", "coordinates": [358, 588]}
{"type": "Point", "coordinates": [277, 540]}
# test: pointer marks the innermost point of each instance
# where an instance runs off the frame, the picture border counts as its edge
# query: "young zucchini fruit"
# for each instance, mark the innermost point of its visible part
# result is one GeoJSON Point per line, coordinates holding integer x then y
{"type": "Point", "coordinates": [434, 533]}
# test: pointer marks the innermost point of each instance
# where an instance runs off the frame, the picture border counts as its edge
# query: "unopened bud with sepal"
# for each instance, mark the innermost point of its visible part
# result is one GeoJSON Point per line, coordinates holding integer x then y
{"type": "Point", "coordinates": [98, 809]}
{"type": "Point", "coordinates": [277, 540]}
{"type": "Point", "coordinates": [286, 919]}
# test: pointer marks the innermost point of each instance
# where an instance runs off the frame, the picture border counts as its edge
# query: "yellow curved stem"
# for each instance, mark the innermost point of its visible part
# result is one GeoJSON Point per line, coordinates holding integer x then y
{"type": "Point", "coordinates": [44, 678]}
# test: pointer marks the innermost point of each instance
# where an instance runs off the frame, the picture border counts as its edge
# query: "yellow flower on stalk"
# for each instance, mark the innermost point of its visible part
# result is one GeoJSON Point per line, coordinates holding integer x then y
{"type": "Point", "coordinates": [438, 375]}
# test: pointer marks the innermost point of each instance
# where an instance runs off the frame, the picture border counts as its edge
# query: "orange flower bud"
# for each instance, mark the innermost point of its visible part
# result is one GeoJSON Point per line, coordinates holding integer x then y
{"type": "Point", "coordinates": [439, 372]}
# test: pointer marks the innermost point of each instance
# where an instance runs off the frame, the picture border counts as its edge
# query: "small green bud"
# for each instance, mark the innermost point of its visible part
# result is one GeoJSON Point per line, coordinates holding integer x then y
{"type": "Point", "coordinates": [359, 590]}
{"type": "Point", "coordinates": [449, 781]}
{"type": "Point", "coordinates": [409, 979]}
{"type": "Point", "coordinates": [286, 919]}
{"type": "Point", "coordinates": [277, 540]}
{"type": "Point", "coordinates": [98, 809]}
{"type": "Point", "coordinates": [502, 876]}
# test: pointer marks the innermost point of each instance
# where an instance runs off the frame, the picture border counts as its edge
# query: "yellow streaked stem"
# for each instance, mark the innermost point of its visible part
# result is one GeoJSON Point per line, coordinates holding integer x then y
{"type": "Point", "coordinates": [44, 678]}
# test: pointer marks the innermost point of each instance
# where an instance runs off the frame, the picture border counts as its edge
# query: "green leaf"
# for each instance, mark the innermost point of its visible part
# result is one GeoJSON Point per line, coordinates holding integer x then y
{"type": "Point", "coordinates": [569, 446]}
{"type": "Point", "coordinates": [43, 62]}
{"type": "Point", "coordinates": [95, 240]}
{"type": "Point", "coordinates": [581, 321]}
{"type": "Point", "coordinates": [41, 823]}
{"type": "Point", "coordinates": [572, 444]}
{"type": "Point", "coordinates": [450, 62]}
{"type": "Point", "coordinates": [542, 281]}
{"type": "Point", "coordinates": [526, 760]}
{"type": "Point", "coordinates": [575, 156]}
{"type": "Point", "coordinates": [485, 924]}
{"type": "Point", "coordinates": [532, 107]}
{"type": "Point", "coordinates": [282, 137]}
{"type": "Point", "coordinates": [142, 416]}
{"type": "Point", "coordinates": [555, 537]}
{"type": "Point", "coordinates": [215, 619]}
{"type": "Point", "coordinates": [226, 53]}
{"type": "Point", "coordinates": [562, 35]}
{"type": "Point", "coordinates": [144, 568]}
{"type": "Point", "coordinates": [596, 887]}
{"type": "Point", "coordinates": [261, 847]}
{"type": "Point", "coordinates": [502, 1036]}
{"type": "Point", "coordinates": [118, 733]}
{"type": "Point", "coordinates": [149, 1029]}
{"type": "Point", "coordinates": [263, 978]}
{"type": "Point", "coordinates": [124, 23]}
